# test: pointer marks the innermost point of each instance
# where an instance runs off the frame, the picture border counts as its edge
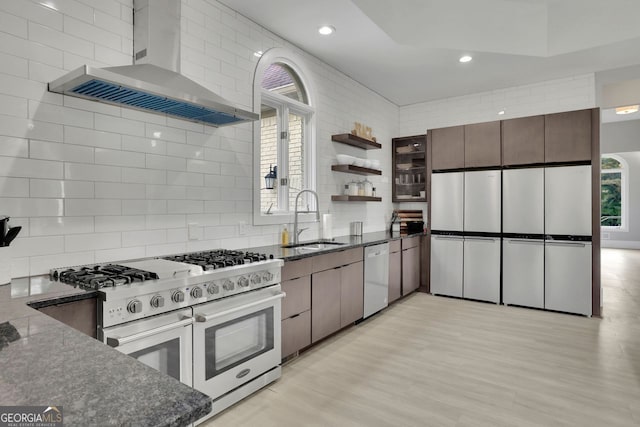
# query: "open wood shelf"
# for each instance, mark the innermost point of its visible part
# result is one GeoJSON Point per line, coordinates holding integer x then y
{"type": "Point", "coordinates": [355, 169]}
{"type": "Point", "coordinates": [356, 141]}
{"type": "Point", "coordinates": [342, 198]}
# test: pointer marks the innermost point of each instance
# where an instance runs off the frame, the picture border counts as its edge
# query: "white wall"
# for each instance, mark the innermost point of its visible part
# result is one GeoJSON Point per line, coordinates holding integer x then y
{"type": "Point", "coordinates": [572, 93]}
{"type": "Point", "coordinates": [91, 182]}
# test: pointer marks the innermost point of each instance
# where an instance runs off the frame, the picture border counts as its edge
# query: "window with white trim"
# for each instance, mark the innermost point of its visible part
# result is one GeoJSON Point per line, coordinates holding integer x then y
{"type": "Point", "coordinates": [613, 181]}
{"type": "Point", "coordinates": [284, 141]}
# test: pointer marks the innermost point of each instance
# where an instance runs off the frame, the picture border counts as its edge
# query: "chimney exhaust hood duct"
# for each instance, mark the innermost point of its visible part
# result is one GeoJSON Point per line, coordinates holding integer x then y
{"type": "Point", "coordinates": [154, 84]}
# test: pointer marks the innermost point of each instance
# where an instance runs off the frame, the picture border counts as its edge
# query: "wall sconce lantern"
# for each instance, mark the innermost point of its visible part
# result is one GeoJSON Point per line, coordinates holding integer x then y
{"type": "Point", "coordinates": [270, 178]}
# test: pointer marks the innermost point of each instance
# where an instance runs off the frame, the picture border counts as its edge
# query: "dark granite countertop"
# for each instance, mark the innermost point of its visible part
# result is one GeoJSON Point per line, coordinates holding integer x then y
{"type": "Point", "coordinates": [51, 364]}
{"type": "Point", "coordinates": [367, 239]}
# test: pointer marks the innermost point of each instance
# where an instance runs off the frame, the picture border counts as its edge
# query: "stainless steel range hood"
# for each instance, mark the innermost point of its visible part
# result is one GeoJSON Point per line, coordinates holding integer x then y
{"type": "Point", "coordinates": [154, 83]}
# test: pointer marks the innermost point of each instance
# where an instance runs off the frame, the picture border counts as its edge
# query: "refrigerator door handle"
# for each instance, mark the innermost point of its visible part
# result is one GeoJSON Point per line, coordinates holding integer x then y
{"type": "Point", "coordinates": [524, 242]}
{"type": "Point", "coordinates": [556, 243]}
{"type": "Point", "coordinates": [449, 238]}
{"type": "Point", "coordinates": [488, 239]}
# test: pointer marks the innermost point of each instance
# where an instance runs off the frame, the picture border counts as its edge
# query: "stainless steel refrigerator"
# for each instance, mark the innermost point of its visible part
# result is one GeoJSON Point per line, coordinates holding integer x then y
{"type": "Point", "coordinates": [482, 235]}
{"type": "Point", "coordinates": [567, 206]}
{"type": "Point", "coordinates": [447, 221]}
{"type": "Point", "coordinates": [523, 237]}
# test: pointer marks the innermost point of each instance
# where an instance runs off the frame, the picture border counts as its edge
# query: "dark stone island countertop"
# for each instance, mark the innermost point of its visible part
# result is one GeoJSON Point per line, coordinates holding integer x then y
{"type": "Point", "coordinates": [46, 363]}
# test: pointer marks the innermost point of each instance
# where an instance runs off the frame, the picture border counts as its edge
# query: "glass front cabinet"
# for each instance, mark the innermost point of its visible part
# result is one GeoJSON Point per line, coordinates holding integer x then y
{"type": "Point", "coordinates": [409, 171]}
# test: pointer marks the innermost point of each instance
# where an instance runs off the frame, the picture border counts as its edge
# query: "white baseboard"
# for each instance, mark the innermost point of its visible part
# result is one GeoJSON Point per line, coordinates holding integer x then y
{"type": "Point", "coordinates": [620, 244]}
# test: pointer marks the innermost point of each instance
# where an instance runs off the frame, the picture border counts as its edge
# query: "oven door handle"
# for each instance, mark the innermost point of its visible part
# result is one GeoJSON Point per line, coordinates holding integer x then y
{"type": "Point", "coordinates": [118, 341]}
{"type": "Point", "coordinates": [208, 318]}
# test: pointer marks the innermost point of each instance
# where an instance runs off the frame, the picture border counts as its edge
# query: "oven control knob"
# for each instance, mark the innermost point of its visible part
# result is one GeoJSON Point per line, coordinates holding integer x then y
{"type": "Point", "coordinates": [157, 301]}
{"type": "Point", "coordinates": [196, 292]}
{"type": "Point", "coordinates": [228, 285]}
{"type": "Point", "coordinates": [177, 296]}
{"type": "Point", "coordinates": [267, 276]}
{"type": "Point", "coordinates": [243, 282]}
{"type": "Point", "coordinates": [134, 306]}
{"type": "Point", "coordinates": [213, 289]}
{"type": "Point", "coordinates": [255, 279]}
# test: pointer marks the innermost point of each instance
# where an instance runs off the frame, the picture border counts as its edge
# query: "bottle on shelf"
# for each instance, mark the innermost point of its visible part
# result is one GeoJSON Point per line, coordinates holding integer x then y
{"type": "Point", "coordinates": [285, 236]}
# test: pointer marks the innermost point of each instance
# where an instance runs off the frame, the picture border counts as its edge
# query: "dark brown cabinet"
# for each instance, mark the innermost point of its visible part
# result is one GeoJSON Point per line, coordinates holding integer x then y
{"type": "Point", "coordinates": [395, 270]}
{"type": "Point", "coordinates": [337, 291]}
{"type": "Point", "coordinates": [482, 145]}
{"type": "Point", "coordinates": [296, 306]}
{"type": "Point", "coordinates": [325, 294]}
{"type": "Point", "coordinates": [567, 136]}
{"type": "Point", "coordinates": [523, 141]}
{"type": "Point", "coordinates": [410, 265]}
{"type": "Point", "coordinates": [81, 315]}
{"type": "Point", "coordinates": [447, 148]}
{"type": "Point", "coordinates": [409, 169]}
{"type": "Point", "coordinates": [351, 293]}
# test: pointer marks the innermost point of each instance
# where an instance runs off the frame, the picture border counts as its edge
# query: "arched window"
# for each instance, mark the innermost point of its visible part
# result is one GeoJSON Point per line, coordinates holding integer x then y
{"type": "Point", "coordinates": [613, 192]}
{"type": "Point", "coordinates": [285, 144]}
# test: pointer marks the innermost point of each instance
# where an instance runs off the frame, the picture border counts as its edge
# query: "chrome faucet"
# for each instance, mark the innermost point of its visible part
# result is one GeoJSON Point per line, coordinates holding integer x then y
{"type": "Point", "coordinates": [296, 232]}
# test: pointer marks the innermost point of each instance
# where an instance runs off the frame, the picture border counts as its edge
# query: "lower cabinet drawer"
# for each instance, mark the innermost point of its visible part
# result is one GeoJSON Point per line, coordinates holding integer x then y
{"type": "Point", "coordinates": [296, 333]}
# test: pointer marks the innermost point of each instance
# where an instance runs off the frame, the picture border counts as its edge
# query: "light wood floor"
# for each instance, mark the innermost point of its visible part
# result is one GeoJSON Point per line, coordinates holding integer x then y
{"type": "Point", "coordinates": [435, 361]}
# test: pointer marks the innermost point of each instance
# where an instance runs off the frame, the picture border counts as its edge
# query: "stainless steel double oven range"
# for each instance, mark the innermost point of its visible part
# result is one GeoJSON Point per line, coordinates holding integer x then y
{"type": "Point", "coordinates": [209, 319]}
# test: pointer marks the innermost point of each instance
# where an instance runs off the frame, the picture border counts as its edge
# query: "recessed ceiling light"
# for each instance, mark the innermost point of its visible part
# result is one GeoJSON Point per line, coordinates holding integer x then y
{"type": "Point", "coordinates": [501, 113]}
{"type": "Point", "coordinates": [465, 58]}
{"type": "Point", "coordinates": [325, 30]}
{"type": "Point", "coordinates": [629, 109]}
{"type": "Point", "coordinates": [258, 54]}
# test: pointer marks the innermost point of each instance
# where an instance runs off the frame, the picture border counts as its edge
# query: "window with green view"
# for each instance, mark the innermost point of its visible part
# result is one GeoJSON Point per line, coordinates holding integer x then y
{"type": "Point", "coordinates": [611, 192]}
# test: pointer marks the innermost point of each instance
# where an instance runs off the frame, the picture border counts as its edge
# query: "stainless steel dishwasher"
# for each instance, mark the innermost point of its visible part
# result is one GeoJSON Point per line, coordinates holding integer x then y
{"type": "Point", "coordinates": [376, 278]}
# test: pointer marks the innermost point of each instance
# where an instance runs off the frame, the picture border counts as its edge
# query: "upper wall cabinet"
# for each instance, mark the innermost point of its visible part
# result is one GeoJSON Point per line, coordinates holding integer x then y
{"type": "Point", "coordinates": [523, 141]}
{"type": "Point", "coordinates": [482, 145]}
{"type": "Point", "coordinates": [447, 148]}
{"type": "Point", "coordinates": [567, 136]}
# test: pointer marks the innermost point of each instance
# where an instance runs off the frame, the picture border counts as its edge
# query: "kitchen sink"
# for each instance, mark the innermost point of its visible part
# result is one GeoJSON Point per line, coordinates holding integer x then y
{"type": "Point", "coordinates": [315, 245]}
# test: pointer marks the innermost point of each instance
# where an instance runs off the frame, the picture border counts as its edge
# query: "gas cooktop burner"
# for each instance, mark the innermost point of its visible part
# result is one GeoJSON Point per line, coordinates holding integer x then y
{"type": "Point", "coordinates": [101, 276]}
{"type": "Point", "coordinates": [219, 258]}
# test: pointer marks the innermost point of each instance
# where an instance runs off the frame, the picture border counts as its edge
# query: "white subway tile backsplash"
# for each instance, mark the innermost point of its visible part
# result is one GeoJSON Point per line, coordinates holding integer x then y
{"type": "Point", "coordinates": [155, 222]}
{"type": "Point", "coordinates": [88, 172]}
{"type": "Point", "coordinates": [147, 237]}
{"type": "Point", "coordinates": [142, 116]}
{"type": "Point", "coordinates": [30, 168]}
{"type": "Point", "coordinates": [92, 207]}
{"type": "Point", "coordinates": [14, 187]}
{"type": "Point", "coordinates": [61, 152]}
{"type": "Point", "coordinates": [92, 241]}
{"type": "Point", "coordinates": [221, 181]}
{"type": "Point", "coordinates": [177, 235]}
{"type": "Point", "coordinates": [120, 254]}
{"type": "Point", "coordinates": [86, 31]}
{"type": "Point", "coordinates": [123, 126]}
{"type": "Point", "coordinates": [42, 264]}
{"type": "Point", "coordinates": [185, 150]}
{"type": "Point", "coordinates": [56, 114]}
{"type": "Point", "coordinates": [13, 106]}
{"type": "Point", "coordinates": [55, 226]}
{"type": "Point", "coordinates": [166, 192]}
{"type": "Point", "coordinates": [154, 161]}
{"type": "Point", "coordinates": [90, 137]}
{"type": "Point", "coordinates": [93, 106]}
{"type": "Point", "coordinates": [167, 249]}
{"type": "Point", "coordinates": [166, 133]}
{"type": "Point", "coordinates": [143, 145]}
{"type": "Point", "coordinates": [25, 128]}
{"type": "Point", "coordinates": [185, 178]}
{"type": "Point", "coordinates": [185, 206]}
{"type": "Point", "coordinates": [13, 24]}
{"type": "Point", "coordinates": [50, 37]}
{"type": "Point", "coordinates": [119, 223]}
{"type": "Point", "coordinates": [49, 188]}
{"type": "Point", "coordinates": [144, 176]}
{"type": "Point", "coordinates": [119, 158]}
{"type": "Point", "coordinates": [13, 147]}
{"type": "Point", "coordinates": [203, 193]}
{"type": "Point", "coordinates": [108, 190]}
{"type": "Point", "coordinates": [204, 220]}
{"type": "Point", "coordinates": [33, 12]}
{"type": "Point", "coordinates": [20, 266]}
{"type": "Point", "coordinates": [203, 166]}
{"type": "Point", "coordinates": [33, 246]}
{"type": "Point", "coordinates": [141, 207]}
{"type": "Point", "coordinates": [14, 65]}
{"type": "Point", "coordinates": [218, 206]}
{"type": "Point", "coordinates": [111, 56]}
